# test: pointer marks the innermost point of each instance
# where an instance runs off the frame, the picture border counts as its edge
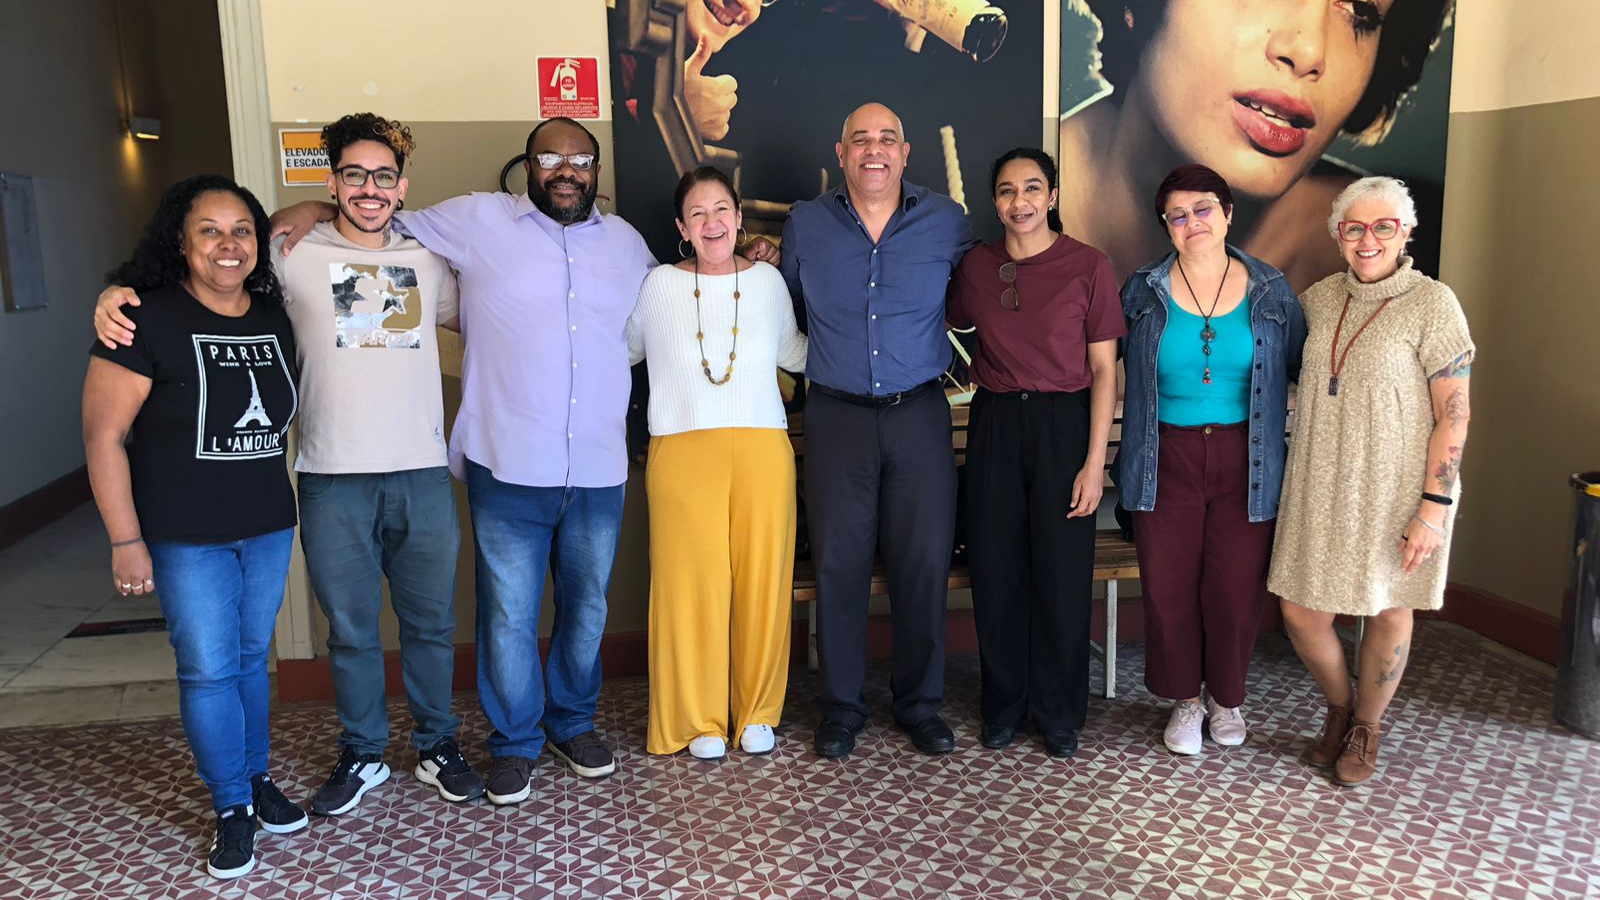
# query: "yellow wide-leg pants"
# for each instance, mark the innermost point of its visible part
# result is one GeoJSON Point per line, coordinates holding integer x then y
{"type": "Point", "coordinates": [722, 523]}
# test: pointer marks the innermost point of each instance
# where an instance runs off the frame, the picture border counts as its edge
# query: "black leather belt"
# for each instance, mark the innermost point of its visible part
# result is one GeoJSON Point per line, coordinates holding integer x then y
{"type": "Point", "coordinates": [874, 401]}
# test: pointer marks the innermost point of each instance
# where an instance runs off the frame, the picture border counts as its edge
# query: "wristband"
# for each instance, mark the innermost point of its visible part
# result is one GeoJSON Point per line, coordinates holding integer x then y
{"type": "Point", "coordinates": [127, 543]}
{"type": "Point", "coordinates": [1440, 499]}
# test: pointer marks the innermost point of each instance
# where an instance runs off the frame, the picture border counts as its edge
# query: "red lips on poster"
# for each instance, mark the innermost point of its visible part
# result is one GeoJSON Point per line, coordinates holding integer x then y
{"type": "Point", "coordinates": [569, 86]}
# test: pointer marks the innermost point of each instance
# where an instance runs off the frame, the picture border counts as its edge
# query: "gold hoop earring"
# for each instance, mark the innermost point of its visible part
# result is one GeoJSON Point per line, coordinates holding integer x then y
{"type": "Point", "coordinates": [682, 253]}
{"type": "Point", "coordinates": [741, 241]}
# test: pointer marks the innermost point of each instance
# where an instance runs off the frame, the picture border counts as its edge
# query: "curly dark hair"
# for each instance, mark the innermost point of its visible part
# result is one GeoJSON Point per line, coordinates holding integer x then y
{"type": "Point", "coordinates": [158, 260]}
{"type": "Point", "coordinates": [1411, 29]}
{"type": "Point", "coordinates": [368, 127]}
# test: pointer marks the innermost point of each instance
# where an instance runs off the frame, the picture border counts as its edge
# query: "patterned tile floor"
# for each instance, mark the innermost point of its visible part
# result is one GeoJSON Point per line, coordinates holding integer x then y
{"type": "Point", "coordinates": [1480, 796]}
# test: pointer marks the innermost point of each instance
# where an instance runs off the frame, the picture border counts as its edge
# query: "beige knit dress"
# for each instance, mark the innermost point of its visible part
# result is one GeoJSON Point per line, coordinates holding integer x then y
{"type": "Point", "coordinates": [1358, 460]}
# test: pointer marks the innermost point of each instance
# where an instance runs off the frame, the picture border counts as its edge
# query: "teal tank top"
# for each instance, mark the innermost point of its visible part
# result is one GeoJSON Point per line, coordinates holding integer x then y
{"type": "Point", "coordinates": [1182, 394]}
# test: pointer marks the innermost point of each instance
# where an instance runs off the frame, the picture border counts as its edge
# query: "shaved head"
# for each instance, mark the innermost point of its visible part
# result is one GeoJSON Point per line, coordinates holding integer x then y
{"type": "Point", "coordinates": [872, 151]}
{"type": "Point", "coordinates": [870, 114]}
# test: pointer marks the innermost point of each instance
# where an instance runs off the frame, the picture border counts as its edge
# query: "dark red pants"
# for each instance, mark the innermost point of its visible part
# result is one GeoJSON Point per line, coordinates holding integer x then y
{"type": "Point", "coordinates": [1202, 565]}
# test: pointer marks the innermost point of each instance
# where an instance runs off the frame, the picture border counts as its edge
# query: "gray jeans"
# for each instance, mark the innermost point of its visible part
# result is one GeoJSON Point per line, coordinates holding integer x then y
{"type": "Point", "coordinates": [356, 530]}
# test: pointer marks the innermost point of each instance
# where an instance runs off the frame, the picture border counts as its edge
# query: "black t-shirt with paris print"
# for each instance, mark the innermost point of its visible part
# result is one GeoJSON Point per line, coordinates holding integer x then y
{"type": "Point", "coordinates": [207, 448]}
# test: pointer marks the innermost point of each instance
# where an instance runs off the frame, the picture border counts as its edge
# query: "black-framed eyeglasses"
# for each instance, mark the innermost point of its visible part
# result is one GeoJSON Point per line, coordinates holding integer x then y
{"type": "Point", "coordinates": [549, 162]}
{"type": "Point", "coordinates": [356, 176]}
{"type": "Point", "coordinates": [1177, 217]}
{"type": "Point", "coordinates": [1008, 297]}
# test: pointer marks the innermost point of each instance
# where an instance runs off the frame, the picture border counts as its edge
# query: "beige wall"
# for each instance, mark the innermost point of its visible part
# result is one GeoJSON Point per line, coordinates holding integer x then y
{"type": "Point", "coordinates": [1520, 184]}
{"type": "Point", "coordinates": [63, 95]}
{"type": "Point", "coordinates": [1515, 53]}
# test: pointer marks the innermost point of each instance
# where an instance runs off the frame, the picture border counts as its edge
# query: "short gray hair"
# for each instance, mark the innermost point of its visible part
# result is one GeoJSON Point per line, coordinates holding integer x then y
{"type": "Point", "coordinates": [1392, 190]}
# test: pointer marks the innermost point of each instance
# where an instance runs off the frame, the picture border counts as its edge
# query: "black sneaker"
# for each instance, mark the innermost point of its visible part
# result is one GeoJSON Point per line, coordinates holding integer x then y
{"type": "Point", "coordinates": [586, 755]}
{"type": "Point", "coordinates": [353, 775]}
{"type": "Point", "coordinates": [510, 780]}
{"type": "Point", "coordinates": [233, 851]}
{"type": "Point", "coordinates": [273, 810]}
{"type": "Point", "coordinates": [443, 766]}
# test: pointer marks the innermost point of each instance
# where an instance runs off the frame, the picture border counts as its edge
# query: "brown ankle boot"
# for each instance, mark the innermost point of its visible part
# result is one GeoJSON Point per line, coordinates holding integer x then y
{"type": "Point", "coordinates": [1325, 751]}
{"type": "Point", "coordinates": [1360, 757]}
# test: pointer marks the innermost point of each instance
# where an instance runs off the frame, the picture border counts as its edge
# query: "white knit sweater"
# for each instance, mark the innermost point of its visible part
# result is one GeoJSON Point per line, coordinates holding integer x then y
{"type": "Point", "coordinates": [662, 330]}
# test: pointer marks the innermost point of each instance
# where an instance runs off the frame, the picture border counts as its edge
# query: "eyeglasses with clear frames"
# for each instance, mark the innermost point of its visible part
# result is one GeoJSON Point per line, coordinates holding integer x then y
{"type": "Point", "coordinates": [549, 162]}
{"type": "Point", "coordinates": [1351, 230]}
{"type": "Point", "coordinates": [356, 176]}
{"type": "Point", "coordinates": [1177, 217]}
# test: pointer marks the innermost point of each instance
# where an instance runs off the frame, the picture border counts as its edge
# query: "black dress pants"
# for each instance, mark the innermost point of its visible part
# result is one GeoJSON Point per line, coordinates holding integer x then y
{"type": "Point", "coordinates": [880, 478]}
{"type": "Point", "coordinates": [1032, 567]}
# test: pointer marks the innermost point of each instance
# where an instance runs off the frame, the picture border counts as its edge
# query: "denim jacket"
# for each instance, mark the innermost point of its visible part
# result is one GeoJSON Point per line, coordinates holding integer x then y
{"type": "Point", "coordinates": [1280, 335]}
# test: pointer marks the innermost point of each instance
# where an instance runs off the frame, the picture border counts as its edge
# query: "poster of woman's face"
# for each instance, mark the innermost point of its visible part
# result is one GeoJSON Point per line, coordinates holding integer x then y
{"type": "Point", "coordinates": [1288, 100]}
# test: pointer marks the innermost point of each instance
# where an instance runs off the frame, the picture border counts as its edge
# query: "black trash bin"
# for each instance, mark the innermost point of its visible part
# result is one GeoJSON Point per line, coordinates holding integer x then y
{"type": "Point", "coordinates": [1578, 677]}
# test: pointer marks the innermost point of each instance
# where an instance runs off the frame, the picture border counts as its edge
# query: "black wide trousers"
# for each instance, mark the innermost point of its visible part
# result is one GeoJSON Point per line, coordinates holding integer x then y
{"type": "Point", "coordinates": [1032, 567]}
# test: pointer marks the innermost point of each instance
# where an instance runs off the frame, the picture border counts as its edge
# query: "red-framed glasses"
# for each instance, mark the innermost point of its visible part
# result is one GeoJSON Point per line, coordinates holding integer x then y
{"type": "Point", "coordinates": [1351, 230]}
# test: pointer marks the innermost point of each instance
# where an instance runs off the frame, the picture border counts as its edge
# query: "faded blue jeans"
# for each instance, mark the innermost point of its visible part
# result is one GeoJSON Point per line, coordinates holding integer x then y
{"type": "Point", "coordinates": [519, 532]}
{"type": "Point", "coordinates": [357, 529]}
{"type": "Point", "coordinates": [221, 602]}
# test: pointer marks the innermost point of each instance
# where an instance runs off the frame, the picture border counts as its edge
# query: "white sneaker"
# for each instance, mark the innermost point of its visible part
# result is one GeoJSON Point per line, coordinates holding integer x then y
{"type": "Point", "coordinates": [708, 746]}
{"type": "Point", "coordinates": [1227, 726]}
{"type": "Point", "coordinates": [757, 740]}
{"type": "Point", "coordinates": [1183, 729]}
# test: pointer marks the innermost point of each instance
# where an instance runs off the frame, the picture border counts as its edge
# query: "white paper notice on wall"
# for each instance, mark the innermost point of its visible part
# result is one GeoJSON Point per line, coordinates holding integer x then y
{"type": "Point", "coordinates": [569, 86]}
{"type": "Point", "coordinates": [304, 161]}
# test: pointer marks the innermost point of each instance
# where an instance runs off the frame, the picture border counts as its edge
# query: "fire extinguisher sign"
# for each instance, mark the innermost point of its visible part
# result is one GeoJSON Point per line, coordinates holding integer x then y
{"type": "Point", "coordinates": [569, 86]}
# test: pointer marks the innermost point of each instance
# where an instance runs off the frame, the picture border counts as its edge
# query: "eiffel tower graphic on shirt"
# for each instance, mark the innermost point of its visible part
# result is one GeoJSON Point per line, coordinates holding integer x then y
{"type": "Point", "coordinates": [256, 413]}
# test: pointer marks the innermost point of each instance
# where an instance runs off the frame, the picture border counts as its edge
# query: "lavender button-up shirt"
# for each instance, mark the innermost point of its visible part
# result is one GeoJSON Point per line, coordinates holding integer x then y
{"type": "Point", "coordinates": [544, 313]}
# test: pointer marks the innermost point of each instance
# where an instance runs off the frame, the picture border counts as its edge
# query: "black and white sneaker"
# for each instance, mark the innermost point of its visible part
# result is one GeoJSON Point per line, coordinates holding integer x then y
{"type": "Point", "coordinates": [443, 767]}
{"type": "Point", "coordinates": [233, 851]}
{"type": "Point", "coordinates": [273, 810]}
{"type": "Point", "coordinates": [353, 775]}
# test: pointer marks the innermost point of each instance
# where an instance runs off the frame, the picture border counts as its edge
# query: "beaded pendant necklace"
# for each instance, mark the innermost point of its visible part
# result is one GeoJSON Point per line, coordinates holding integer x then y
{"type": "Point", "coordinates": [700, 331]}
{"type": "Point", "coordinates": [1207, 334]}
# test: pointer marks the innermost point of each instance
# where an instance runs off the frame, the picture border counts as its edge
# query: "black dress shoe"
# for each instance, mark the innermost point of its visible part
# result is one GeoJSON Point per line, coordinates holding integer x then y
{"type": "Point", "coordinates": [1061, 744]}
{"type": "Point", "coordinates": [997, 737]}
{"type": "Point", "coordinates": [931, 735]}
{"type": "Point", "coordinates": [834, 739]}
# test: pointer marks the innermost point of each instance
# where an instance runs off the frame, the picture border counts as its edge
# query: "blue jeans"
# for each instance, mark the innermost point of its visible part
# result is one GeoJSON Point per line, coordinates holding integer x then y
{"type": "Point", "coordinates": [221, 601]}
{"type": "Point", "coordinates": [518, 532]}
{"type": "Point", "coordinates": [356, 529]}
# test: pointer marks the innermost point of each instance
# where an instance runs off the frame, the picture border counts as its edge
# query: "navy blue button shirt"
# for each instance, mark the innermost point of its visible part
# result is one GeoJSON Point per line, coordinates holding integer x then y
{"type": "Point", "coordinates": [875, 312]}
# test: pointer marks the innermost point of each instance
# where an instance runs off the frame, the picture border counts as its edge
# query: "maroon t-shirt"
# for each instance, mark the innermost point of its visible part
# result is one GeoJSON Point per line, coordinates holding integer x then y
{"type": "Point", "coordinates": [1068, 299]}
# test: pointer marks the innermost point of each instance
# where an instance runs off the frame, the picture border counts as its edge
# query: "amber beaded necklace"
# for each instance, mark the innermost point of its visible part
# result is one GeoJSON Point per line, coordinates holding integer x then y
{"type": "Point", "coordinates": [700, 331]}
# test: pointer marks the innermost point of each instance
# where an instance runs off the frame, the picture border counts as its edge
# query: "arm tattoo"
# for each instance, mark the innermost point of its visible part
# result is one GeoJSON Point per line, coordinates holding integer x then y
{"type": "Point", "coordinates": [1456, 408]}
{"type": "Point", "coordinates": [1389, 673]}
{"type": "Point", "coordinates": [1448, 470]}
{"type": "Point", "coordinates": [1460, 367]}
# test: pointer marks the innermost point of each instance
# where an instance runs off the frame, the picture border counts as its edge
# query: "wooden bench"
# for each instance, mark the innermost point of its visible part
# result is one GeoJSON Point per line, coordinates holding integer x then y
{"type": "Point", "coordinates": [1114, 557]}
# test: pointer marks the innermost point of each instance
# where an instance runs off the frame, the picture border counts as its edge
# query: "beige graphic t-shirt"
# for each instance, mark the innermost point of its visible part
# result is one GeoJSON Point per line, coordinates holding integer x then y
{"type": "Point", "coordinates": [370, 391]}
